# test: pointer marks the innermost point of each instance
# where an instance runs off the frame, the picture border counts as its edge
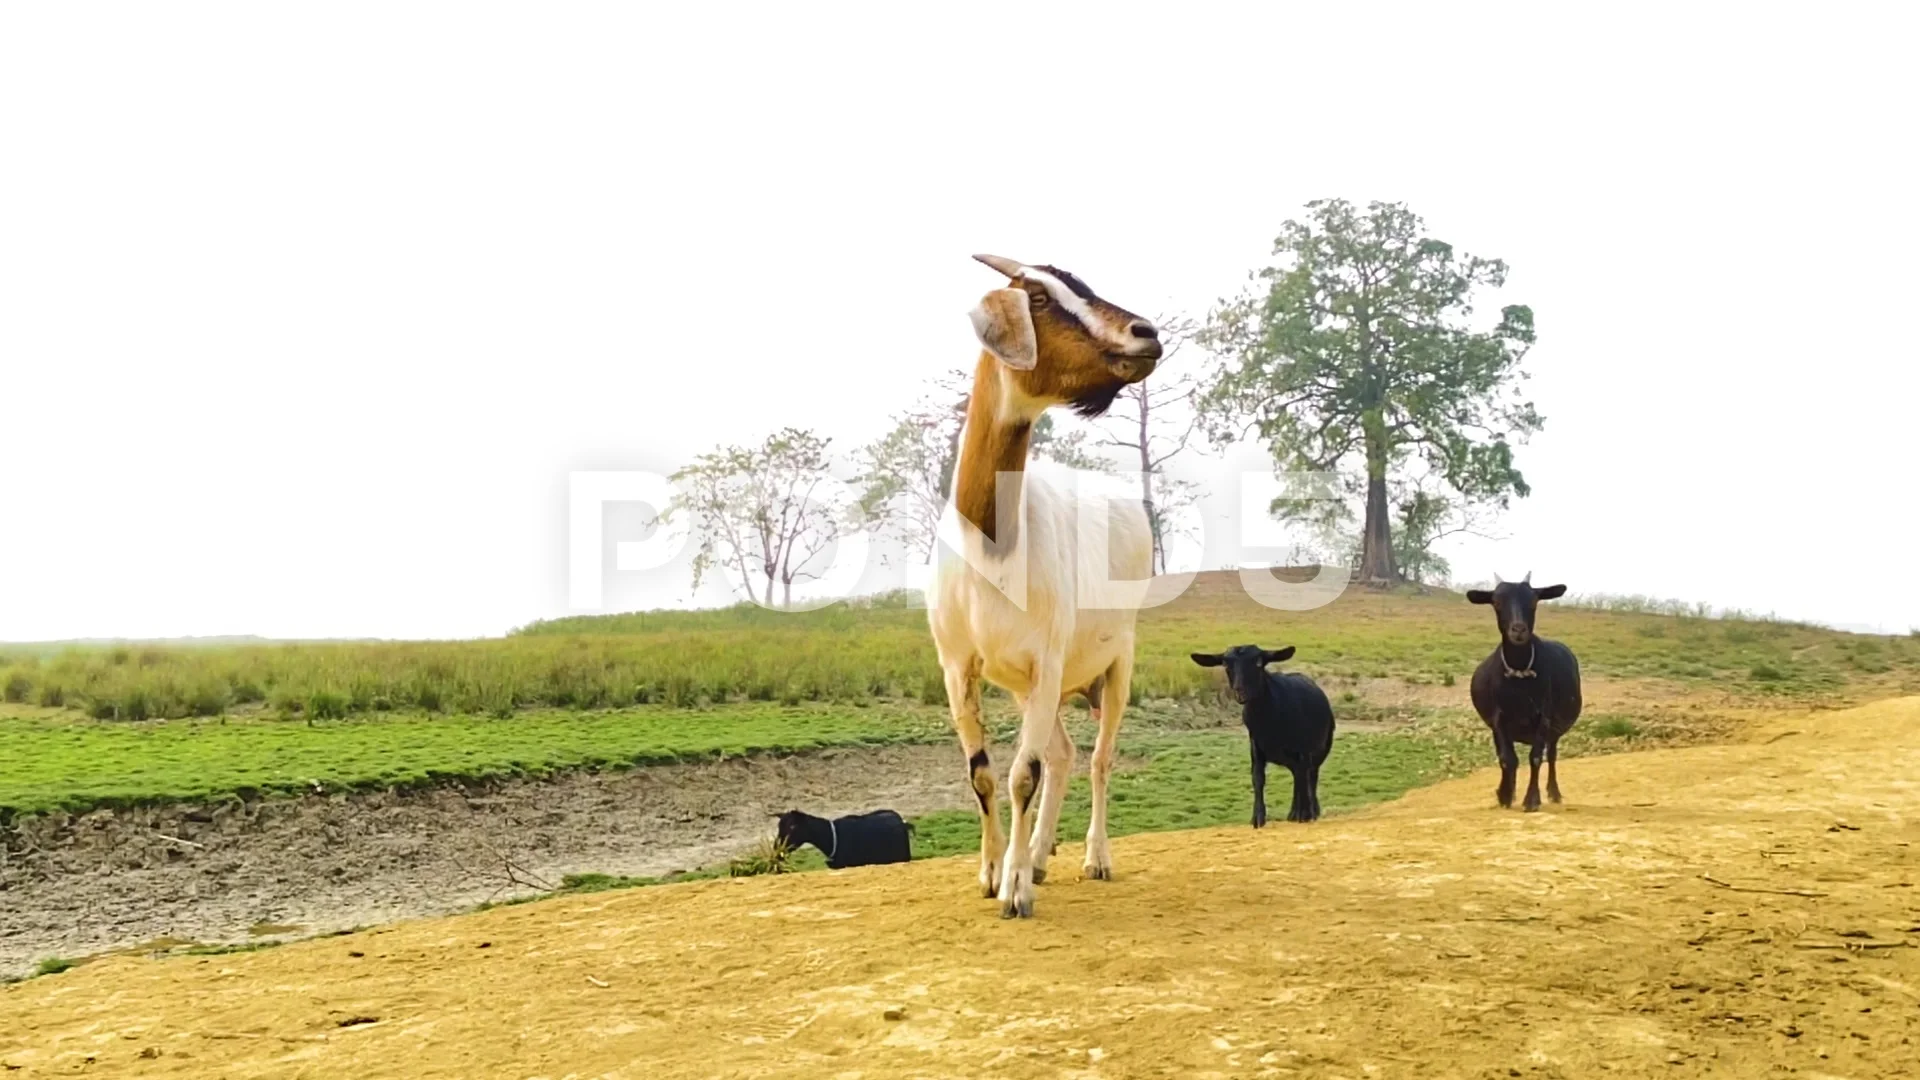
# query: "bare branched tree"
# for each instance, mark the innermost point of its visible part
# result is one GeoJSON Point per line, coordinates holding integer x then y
{"type": "Point", "coordinates": [1151, 423]}
{"type": "Point", "coordinates": [761, 511]}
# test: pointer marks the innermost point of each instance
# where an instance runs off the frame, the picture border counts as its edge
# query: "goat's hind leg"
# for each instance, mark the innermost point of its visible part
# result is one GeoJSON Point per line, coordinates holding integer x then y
{"type": "Point", "coordinates": [1297, 808]}
{"type": "Point", "coordinates": [963, 696]}
{"type": "Point", "coordinates": [1113, 703]}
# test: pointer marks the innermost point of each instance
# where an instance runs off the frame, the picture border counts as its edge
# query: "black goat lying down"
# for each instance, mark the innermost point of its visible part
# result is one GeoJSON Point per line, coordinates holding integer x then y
{"type": "Point", "coordinates": [1528, 691]}
{"type": "Point", "coordinates": [1289, 722]}
{"type": "Point", "coordinates": [855, 840]}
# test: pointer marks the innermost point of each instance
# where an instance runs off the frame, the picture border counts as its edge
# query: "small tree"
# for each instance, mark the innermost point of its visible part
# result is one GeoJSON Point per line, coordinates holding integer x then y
{"type": "Point", "coordinates": [759, 510]}
{"type": "Point", "coordinates": [1355, 348]}
{"type": "Point", "coordinates": [906, 476]}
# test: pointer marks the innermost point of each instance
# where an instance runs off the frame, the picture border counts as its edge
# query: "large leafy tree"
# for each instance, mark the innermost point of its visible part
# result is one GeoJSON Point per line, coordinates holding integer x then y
{"type": "Point", "coordinates": [1357, 353]}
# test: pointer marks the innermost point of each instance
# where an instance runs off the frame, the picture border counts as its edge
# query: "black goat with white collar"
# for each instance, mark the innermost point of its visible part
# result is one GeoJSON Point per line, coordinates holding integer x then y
{"type": "Point", "coordinates": [855, 840]}
{"type": "Point", "coordinates": [1528, 691]}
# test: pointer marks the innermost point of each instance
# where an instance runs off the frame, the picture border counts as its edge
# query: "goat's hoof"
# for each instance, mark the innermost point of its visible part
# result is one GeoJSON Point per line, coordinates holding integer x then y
{"type": "Point", "coordinates": [1094, 872]}
{"type": "Point", "coordinates": [1530, 807]}
{"type": "Point", "coordinates": [1039, 874]}
{"type": "Point", "coordinates": [1016, 902]}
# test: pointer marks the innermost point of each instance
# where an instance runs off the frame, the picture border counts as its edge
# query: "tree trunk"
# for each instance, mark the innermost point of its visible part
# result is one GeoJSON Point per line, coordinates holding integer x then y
{"type": "Point", "coordinates": [1146, 487]}
{"type": "Point", "coordinates": [1376, 543]}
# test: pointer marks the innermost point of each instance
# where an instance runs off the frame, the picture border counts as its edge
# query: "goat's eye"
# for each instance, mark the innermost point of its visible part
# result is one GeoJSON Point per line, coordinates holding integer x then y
{"type": "Point", "coordinates": [1038, 298]}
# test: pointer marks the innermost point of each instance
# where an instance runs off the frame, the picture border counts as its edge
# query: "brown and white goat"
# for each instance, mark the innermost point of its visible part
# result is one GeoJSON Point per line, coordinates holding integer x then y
{"type": "Point", "coordinates": [1046, 340]}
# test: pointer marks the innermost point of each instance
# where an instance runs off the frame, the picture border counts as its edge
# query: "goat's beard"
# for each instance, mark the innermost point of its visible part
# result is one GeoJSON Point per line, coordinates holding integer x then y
{"type": "Point", "coordinates": [1095, 403]}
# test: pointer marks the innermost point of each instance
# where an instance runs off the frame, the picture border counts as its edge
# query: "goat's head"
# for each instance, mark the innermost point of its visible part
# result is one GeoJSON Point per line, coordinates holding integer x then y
{"type": "Point", "coordinates": [1514, 605]}
{"type": "Point", "coordinates": [788, 828]}
{"type": "Point", "coordinates": [1059, 343]}
{"type": "Point", "coordinates": [1246, 667]}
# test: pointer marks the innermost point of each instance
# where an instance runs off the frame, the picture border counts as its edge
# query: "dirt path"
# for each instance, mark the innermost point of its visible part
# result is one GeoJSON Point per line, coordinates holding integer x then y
{"type": "Point", "coordinates": [1735, 911]}
{"type": "Point", "coordinates": [284, 868]}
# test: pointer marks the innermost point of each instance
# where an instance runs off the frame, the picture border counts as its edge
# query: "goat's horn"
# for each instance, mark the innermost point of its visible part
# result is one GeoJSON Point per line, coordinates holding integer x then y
{"type": "Point", "coordinates": [1528, 580]}
{"type": "Point", "coordinates": [1497, 579]}
{"type": "Point", "coordinates": [1009, 267]}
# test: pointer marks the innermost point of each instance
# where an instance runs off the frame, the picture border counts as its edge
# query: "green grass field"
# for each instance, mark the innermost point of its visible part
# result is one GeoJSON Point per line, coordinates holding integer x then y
{"type": "Point", "coordinates": [130, 724]}
{"type": "Point", "coordinates": [1197, 779]}
{"type": "Point", "coordinates": [57, 762]}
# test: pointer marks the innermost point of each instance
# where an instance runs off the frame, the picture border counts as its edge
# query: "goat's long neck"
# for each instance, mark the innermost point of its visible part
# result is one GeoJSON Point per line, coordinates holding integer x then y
{"type": "Point", "coordinates": [996, 442]}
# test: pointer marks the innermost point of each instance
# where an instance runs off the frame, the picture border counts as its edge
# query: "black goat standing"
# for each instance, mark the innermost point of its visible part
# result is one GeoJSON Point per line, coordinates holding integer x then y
{"type": "Point", "coordinates": [855, 840]}
{"type": "Point", "coordinates": [1289, 722]}
{"type": "Point", "coordinates": [1528, 691]}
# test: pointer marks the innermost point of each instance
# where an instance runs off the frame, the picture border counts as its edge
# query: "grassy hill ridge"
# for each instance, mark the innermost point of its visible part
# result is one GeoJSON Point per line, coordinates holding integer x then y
{"type": "Point", "coordinates": [882, 651]}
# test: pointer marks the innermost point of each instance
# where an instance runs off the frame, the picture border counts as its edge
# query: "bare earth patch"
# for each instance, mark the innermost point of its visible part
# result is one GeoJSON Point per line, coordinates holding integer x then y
{"type": "Point", "coordinates": [286, 868]}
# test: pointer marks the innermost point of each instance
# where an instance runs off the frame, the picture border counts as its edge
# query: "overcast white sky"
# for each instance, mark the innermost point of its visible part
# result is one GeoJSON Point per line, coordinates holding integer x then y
{"type": "Point", "coordinates": [307, 312]}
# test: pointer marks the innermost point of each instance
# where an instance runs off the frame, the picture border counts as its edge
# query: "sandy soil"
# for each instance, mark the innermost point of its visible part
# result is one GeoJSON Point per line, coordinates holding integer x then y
{"type": "Point", "coordinates": [1743, 911]}
{"type": "Point", "coordinates": [281, 868]}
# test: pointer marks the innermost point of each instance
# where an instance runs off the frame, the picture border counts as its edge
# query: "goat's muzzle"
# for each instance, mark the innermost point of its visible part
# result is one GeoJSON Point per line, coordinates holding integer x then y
{"type": "Point", "coordinates": [1134, 366]}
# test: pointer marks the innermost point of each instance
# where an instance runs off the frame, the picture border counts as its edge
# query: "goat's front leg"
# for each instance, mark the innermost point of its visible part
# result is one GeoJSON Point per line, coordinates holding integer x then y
{"type": "Point", "coordinates": [1509, 766]}
{"type": "Point", "coordinates": [1116, 686]}
{"type": "Point", "coordinates": [1313, 793]}
{"type": "Point", "coordinates": [963, 696]}
{"type": "Point", "coordinates": [1553, 776]}
{"type": "Point", "coordinates": [1535, 754]}
{"type": "Point", "coordinates": [1259, 789]}
{"type": "Point", "coordinates": [1023, 791]}
{"type": "Point", "coordinates": [1056, 770]}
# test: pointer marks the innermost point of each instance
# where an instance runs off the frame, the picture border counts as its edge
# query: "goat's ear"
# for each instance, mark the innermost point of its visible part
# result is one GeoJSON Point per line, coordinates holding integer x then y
{"type": "Point", "coordinates": [1479, 596]}
{"type": "Point", "coordinates": [1004, 324]}
{"type": "Point", "coordinates": [1274, 656]}
{"type": "Point", "coordinates": [1208, 659]}
{"type": "Point", "coordinates": [1551, 592]}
